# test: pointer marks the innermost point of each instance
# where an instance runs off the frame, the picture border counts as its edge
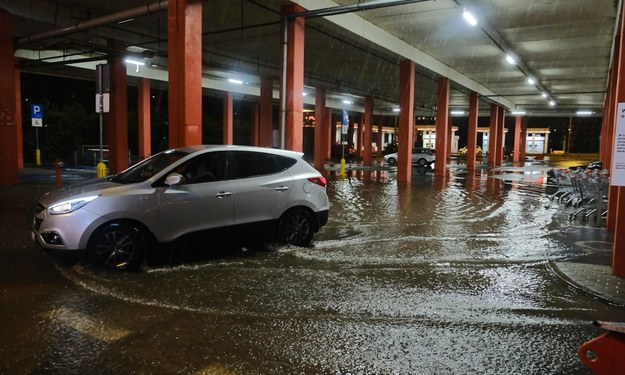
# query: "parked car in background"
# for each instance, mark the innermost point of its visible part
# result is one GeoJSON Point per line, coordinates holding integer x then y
{"type": "Point", "coordinates": [338, 151]}
{"type": "Point", "coordinates": [420, 156]}
{"type": "Point", "coordinates": [239, 190]}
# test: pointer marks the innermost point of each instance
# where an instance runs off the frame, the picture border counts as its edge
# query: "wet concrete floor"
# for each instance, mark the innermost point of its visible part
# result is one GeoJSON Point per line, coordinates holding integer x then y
{"type": "Point", "coordinates": [439, 276]}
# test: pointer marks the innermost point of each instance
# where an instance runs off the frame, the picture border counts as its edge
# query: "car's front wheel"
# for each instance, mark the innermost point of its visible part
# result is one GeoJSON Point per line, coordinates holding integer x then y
{"type": "Point", "coordinates": [119, 245]}
{"type": "Point", "coordinates": [423, 162]}
{"type": "Point", "coordinates": [297, 228]}
{"type": "Point", "coordinates": [392, 161]}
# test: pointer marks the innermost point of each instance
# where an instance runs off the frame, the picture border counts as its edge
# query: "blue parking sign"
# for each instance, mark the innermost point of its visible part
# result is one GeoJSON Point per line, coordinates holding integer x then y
{"type": "Point", "coordinates": [36, 114]}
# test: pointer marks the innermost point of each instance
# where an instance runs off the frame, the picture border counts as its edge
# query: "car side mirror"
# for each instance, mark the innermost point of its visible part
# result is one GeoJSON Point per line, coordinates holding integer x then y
{"type": "Point", "coordinates": [173, 179]}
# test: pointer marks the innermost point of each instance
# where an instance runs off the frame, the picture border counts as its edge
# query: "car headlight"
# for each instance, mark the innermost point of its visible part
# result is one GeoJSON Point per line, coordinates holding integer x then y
{"type": "Point", "coordinates": [68, 206]}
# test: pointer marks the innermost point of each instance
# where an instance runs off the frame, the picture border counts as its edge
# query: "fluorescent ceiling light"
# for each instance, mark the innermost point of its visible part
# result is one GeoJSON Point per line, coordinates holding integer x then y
{"type": "Point", "coordinates": [510, 59]}
{"type": "Point", "coordinates": [471, 20]}
{"type": "Point", "coordinates": [347, 102]}
{"type": "Point", "coordinates": [304, 93]}
{"type": "Point", "coordinates": [395, 109]}
{"type": "Point", "coordinates": [135, 62]}
{"type": "Point", "coordinates": [457, 112]}
{"type": "Point", "coordinates": [235, 81]}
{"type": "Point", "coordinates": [584, 112]}
{"type": "Point", "coordinates": [544, 94]}
{"type": "Point", "coordinates": [518, 113]}
{"type": "Point", "coordinates": [552, 103]}
{"type": "Point", "coordinates": [531, 81]}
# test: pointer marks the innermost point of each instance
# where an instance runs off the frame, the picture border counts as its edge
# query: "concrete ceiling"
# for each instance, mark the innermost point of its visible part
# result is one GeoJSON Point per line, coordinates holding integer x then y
{"type": "Point", "coordinates": [564, 45]}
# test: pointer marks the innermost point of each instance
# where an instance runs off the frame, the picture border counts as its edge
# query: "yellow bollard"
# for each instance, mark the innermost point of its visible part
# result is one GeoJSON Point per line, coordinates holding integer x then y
{"type": "Point", "coordinates": [38, 157]}
{"type": "Point", "coordinates": [343, 174]}
{"type": "Point", "coordinates": [101, 170]}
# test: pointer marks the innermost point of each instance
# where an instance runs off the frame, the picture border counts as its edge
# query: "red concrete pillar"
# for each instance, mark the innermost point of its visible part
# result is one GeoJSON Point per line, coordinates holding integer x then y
{"type": "Point", "coordinates": [368, 130]}
{"type": "Point", "coordinates": [523, 137]}
{"type": "Point", "coordinates": [145, 138]}
{"type": "Point", "coordinates": [293, 111]}
{"type": "Point", "coordinates": [266, 113]}
{"type": "Point", "coordinates": [442, 127]}
{"type": "Point", "coordinates": [406, 120]}
{"type": "Point", "coordinates": [616, 199]}
{"type": "Point", "coordinates": [18, 118]}
{"type": "Point", "coordinates": [501, 126]}
{"type": "Point", "coordinates": [492, 135]}
{"type": "Point", "coordinates": [228, 120]}
{"type": "Point", "coordinates": [329, 133]}
{"type": "Point", "coordinates": [9, 165]}
{"type": "Point", "coordinates": [320, 110]}
{"type": "Point", "coordinates": [359, 130]}
{"type": "Point", "coordinates": [516, 154]}
{"type": "Point", "coordinates": [117, 118]}
{"type": "Point", "coordinates": [472, 131]}
{"type": "Point", "coordinates": [380, 140]}
{"type": "Point", "coordinates": [185, 72]}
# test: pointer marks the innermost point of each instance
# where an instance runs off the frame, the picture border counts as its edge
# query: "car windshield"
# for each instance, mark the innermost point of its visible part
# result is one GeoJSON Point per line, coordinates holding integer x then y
{"type": "Point", "coordinates": [148, 168]}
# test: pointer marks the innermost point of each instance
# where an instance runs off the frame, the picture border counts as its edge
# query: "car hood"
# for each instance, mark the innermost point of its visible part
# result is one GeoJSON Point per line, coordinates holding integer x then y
{"type": "Point", "coordinates": [91, 187]}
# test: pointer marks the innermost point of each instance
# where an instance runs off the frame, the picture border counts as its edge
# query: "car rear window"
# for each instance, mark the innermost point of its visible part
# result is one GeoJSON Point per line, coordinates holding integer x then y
{"type": "Point", "coordinates": [245, 164]}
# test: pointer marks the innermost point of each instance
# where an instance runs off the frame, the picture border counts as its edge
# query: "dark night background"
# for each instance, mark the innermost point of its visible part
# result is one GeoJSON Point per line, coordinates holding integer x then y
{"type": "Point", "coordinates": [70, 122]}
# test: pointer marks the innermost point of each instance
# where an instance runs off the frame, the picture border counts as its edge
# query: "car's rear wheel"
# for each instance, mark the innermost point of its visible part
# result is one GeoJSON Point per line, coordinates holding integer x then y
{"type": "Point", "coordinates": [297, 228]}
{"type": "Point", "coordinates": [119, 245]}
{"type": "Point", "coordinates": [392, 161]}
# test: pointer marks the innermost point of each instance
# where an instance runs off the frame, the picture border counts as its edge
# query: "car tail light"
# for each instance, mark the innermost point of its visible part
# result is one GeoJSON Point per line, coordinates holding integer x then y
{"type": "Point", "coordinates": [321, 181]}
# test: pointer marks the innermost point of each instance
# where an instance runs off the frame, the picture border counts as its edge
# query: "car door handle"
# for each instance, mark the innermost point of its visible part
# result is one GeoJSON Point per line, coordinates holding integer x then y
{"type": "Point", "coordinates": [282, 188]}
{"type": "Point", "coordinates": [223, 194]}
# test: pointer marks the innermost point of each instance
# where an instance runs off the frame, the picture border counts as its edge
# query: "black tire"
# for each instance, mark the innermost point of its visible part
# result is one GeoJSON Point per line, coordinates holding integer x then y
{"type": "Point", "coordinates": [119, 245]}
{"type": "Point", "coordinates": [392, 161]}
{"type": "Point", "coordinates": [422, 162]}
{"type": "Point", "coordinates": [297, 228]}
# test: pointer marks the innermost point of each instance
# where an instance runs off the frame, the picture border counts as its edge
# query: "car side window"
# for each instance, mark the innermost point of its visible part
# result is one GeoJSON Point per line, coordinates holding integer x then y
{"type": "Point", "coordinates": [246, 164]}
{"type": "Point", "coordinates": [207, 167]}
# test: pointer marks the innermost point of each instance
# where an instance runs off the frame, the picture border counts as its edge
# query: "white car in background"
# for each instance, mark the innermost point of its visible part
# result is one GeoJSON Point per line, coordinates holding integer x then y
{"type": "Point", "coordinates": [421, 156]}
{"type": "Point", "coordinates": [210, 190]}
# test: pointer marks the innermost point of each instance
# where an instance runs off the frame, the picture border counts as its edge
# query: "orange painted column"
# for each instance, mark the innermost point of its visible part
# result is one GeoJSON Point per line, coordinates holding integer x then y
{"type": "Point", "coordinates": [501, 126]}
{"type": "Point", "coordinates": [18, 120]}
{"type": "Point", "coordinates": [406, 120]}
{"type": "Point", "coordinates": [320, 110]}
{"type": "Point", "coordinates": [616, 198]}
{"type": "Point", "coordinates": [442, 128]}
{"type": "Point", "coordinates": [368, 130]}
{"type": "Point", "coordinates": [228, 120]}
{"type": "Point", "coordinates": [117, 118]}
{"type": "Point", "coordinates": [293, 111]}
{"type": "Point", "coordinates": [145, 133]}
{"type": "Point", "coordinates": [380, 140]}
{"type": "Point", "coordinates": [516, 153]}
{"type": "Point", "coordinates": [472, 131]}
{"type": "Point", "coordinates": [359, 130]}
{"type": "Point", "coordinates": [185, 72]}
{"type": "Point", "coordinates": [328, 138]}
{"type": "Point", "coordinates": [492, 135]}
{"type": "Point", "coordinates": [523, 138]}
{"type": "Point", "coordinates": [9, 164]}
{"type": "Point", "coordinates": [265, 134]}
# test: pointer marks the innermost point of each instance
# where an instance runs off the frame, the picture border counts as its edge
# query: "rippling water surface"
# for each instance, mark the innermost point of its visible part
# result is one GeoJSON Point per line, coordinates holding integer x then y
{"type": "Point", "coordinates": [439, 276]}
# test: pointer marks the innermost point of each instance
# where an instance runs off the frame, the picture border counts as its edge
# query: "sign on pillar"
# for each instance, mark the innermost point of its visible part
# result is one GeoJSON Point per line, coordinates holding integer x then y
{"type": "Point", "coordinates": [36, 115]}
{"type": "Point", "coordinates": [618, 159]}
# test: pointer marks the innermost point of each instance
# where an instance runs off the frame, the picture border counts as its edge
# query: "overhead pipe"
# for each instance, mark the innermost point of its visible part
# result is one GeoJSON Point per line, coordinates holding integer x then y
{"type": "Point", "coordinates": [125, 15]}
{"type": "Point", "coordinates": [342, 9]}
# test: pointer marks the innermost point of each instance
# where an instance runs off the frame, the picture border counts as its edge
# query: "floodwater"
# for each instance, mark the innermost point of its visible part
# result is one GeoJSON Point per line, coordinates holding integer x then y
{"type": "Point", "coordinates": [439, 276]}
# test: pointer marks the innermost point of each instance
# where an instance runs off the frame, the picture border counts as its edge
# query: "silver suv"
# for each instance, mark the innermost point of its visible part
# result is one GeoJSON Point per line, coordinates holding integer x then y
{"type": "Point", "coordinates": [420, 156]}
{"type": "Point", "coordinates": [200, 189]}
